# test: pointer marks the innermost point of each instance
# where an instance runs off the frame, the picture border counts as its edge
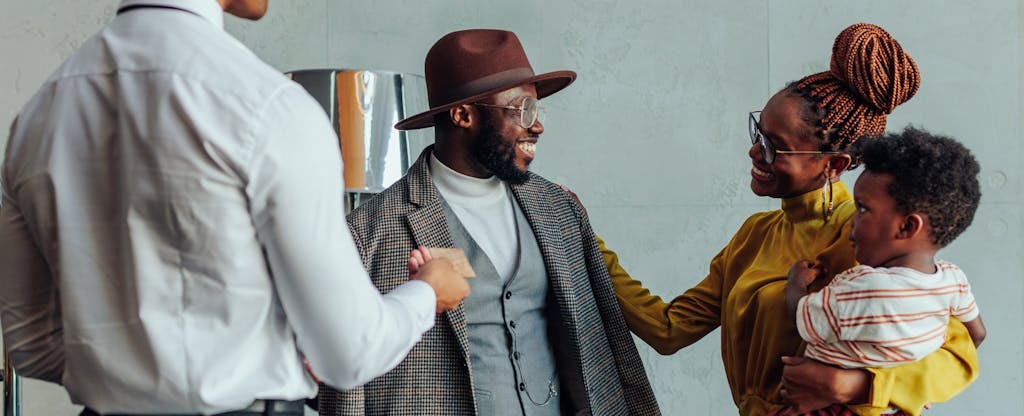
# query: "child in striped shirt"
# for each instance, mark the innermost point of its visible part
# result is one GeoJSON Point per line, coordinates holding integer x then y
{"type": "Point", "coordinates": [918, 192]}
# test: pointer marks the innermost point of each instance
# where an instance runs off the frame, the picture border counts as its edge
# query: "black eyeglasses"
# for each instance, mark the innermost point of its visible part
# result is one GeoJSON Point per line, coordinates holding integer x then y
{"type": "Point", "coordinates": [529, 111]}
{"type": "Point", "coordinates": [767, 148]}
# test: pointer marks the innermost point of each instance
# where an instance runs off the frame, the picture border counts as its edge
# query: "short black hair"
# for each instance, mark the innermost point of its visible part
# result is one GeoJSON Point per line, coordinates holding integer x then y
{"type": "Point", "coordinates": [933, 175]}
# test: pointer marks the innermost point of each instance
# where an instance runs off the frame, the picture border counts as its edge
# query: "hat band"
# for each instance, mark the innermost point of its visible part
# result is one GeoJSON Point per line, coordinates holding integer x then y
{"type": "Point", "coordinates": [508, 78]}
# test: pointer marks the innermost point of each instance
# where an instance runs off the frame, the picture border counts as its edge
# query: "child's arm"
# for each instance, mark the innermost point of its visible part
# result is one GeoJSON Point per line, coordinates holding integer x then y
{"type": "Point", "coordinates": [800, 277]}
{"type": "Point", "coordinates": [976, 328]}
{"type": "Point", "coordinates": [965, 309]}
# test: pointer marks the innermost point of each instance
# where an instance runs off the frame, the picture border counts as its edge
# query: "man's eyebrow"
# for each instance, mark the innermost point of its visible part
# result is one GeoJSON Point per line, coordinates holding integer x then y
{"type": "Point", "coordinates": [515, 100]}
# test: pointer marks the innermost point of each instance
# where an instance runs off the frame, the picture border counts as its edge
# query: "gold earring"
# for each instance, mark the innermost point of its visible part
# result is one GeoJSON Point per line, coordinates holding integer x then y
{"type": "Point", "coordinates": [827, 204]}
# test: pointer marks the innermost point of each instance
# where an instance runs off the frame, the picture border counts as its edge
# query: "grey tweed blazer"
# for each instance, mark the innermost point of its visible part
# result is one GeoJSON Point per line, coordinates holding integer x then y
{"type": "Point", "coordinates": [599, 367]}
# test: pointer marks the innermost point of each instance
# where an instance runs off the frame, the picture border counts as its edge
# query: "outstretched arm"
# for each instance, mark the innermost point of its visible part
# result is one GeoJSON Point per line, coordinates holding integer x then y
{"type": "Point", "coordinates": [666, 327]}
{"type": "Point", "coordinates": [294, 191]}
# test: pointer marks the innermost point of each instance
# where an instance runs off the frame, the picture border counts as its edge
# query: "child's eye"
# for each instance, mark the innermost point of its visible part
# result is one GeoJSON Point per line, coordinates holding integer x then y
{"type": "Point", "coordinates": [861, 209]}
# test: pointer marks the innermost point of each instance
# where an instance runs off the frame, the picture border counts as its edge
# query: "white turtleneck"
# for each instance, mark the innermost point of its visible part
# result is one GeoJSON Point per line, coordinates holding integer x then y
{"type": "Point", "coordinates": [484, 206]}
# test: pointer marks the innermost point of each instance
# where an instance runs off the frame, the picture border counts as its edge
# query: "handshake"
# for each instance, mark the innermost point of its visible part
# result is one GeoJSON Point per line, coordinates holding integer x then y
{"type": "Point", "coordinates": [445, 270]}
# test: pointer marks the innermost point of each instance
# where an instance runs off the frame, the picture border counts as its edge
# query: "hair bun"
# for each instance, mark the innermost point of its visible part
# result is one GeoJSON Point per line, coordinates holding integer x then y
{"type": "Point", "coordinates": [874, 66]}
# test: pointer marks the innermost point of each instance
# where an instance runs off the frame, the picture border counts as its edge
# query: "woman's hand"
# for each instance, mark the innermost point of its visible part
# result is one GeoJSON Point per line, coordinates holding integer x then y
{"type": "Point", "coordinates": [809, 385]}
{"type": "Point", "coordinates": [574, 197]}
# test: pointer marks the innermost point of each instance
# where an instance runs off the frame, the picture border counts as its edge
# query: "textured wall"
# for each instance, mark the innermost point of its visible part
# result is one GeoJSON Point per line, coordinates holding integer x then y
{"type": "Point", "coordinates": [653, 136]}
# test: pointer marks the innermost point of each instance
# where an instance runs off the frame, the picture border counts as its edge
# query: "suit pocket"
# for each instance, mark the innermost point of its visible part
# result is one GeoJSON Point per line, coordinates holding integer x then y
{"type": "Point", "coordinates": [484, 402]}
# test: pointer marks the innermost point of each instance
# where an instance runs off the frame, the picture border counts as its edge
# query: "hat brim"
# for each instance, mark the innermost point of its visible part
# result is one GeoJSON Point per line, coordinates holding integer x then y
{"type": "Point", "coordinates": [547, 84]}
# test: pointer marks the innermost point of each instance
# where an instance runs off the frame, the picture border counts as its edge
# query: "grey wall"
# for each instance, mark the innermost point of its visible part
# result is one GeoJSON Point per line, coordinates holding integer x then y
{"type": "Point", "coordinates": [653, 134]}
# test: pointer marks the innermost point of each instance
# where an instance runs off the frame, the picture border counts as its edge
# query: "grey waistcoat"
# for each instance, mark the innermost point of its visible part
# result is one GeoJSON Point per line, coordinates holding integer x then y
{"type": "Point", "coordinates": [511, 359]}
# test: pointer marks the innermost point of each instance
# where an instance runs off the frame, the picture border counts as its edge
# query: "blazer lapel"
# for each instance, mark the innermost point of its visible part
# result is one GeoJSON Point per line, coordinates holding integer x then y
{"type": "Point", "coordinates": [538, 204]}
{"type": "Point", "coordinates": [429, 228]}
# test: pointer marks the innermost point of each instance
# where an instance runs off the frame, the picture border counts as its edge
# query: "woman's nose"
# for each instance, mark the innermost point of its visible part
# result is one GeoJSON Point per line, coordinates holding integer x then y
{"type": "Point", "coordinates": [755, 152]}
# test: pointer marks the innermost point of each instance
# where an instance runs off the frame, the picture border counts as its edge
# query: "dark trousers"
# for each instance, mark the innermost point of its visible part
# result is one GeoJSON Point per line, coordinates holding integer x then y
{"type": "Point", "coordinates": [259, 408]}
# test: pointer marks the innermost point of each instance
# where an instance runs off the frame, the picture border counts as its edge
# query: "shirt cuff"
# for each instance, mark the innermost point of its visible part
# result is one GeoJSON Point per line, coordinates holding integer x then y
{"type": "Point", "coordinates": [419, 297]}
{"type": "Point", "coordinates": [882, 383]}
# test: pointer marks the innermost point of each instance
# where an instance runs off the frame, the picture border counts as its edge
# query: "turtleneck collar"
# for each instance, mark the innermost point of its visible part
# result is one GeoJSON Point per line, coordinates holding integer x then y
{"type": "Point", "coordinates": [462, 189]}
{"type": "Point", "coordinates": [808, 205]}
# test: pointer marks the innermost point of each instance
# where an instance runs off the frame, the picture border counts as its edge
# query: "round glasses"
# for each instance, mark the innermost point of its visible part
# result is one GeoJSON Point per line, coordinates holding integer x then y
{"type": "Point", "coordinates": [767, 148]}
{"type": "Point", "coordinates": [529, 110]}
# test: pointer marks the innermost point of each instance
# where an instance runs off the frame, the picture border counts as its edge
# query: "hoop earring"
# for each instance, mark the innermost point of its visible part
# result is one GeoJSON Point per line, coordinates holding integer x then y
{"type": "Point", "coordinates": [827, 204]}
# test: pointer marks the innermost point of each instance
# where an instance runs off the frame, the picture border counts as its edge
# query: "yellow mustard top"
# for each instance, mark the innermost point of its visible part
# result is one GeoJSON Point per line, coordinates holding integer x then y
{"type": "Point", "coordinates": [744, 293]}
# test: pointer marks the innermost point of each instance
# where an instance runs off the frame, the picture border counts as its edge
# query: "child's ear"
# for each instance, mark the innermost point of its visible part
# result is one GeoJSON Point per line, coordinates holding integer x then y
{"type": "Point", "coordinates": [912, 226]}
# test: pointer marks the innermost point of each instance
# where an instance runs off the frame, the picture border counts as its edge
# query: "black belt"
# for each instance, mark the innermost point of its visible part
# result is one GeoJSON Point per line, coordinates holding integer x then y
{"type": "Point", "coordinates": [257, 408]}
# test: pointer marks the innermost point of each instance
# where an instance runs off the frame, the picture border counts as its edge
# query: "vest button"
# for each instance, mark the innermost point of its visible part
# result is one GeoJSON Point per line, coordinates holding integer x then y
{"type": "Point", "coordinates": [522, 386]}
{"type": "Point", "coordinates": [508, 295]}
{"type": "Point", "coordinates": [515, 355]}
{"type": "Point", "coordinates": [512, 324]}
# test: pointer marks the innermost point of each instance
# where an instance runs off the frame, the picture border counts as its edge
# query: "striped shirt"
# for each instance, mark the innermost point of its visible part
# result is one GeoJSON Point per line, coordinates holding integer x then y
{"type": "Point", "coordinates": [883, 317]}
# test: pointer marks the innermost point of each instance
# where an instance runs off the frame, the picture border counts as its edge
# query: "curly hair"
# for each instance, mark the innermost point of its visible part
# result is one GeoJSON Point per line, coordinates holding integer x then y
{"type": "Point", "coordinates": [933, 175]}
{"type": "Point", "coordinates": [869, 76]}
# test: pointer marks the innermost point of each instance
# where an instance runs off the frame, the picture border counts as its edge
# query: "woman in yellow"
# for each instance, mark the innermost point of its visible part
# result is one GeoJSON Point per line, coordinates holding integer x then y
{"type": "Point", "coordinates": [799, 142]}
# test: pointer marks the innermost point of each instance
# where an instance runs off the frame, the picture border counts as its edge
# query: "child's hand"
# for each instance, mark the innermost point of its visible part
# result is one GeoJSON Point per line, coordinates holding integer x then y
{"type": "Point", "coordinates": [799, 282]}
{"type": "Point", "coordinates": [804, 272]}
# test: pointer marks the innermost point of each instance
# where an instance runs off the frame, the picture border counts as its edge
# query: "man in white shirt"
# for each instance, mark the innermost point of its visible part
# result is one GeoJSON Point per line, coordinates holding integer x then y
{"type": "Point", "coordinates": [171, 233]}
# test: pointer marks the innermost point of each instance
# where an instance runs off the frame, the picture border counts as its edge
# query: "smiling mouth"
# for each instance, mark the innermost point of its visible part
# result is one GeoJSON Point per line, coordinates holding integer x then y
{"type": "Point", "coordinates": [760, 173]}
{"type": "Point", "coordinates": [528, 148]}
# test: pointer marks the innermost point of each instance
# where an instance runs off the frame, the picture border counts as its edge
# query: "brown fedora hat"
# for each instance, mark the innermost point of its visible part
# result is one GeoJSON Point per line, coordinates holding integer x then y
{"type": "Point", "coordinates": [465, 66]}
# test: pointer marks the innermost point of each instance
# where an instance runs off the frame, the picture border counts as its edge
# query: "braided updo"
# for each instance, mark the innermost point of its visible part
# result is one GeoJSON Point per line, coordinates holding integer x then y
{"type": "Point", "coordinates": [869, 76]}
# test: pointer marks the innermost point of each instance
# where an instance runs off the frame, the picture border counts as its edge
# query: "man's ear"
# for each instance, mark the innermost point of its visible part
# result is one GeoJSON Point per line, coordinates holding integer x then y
{"type": "Point", "coordinates": [461, 115]}
{"type": "Point", "coordinates": [837, 164]}
{"type": "Point", "coordinates": [912, 225]}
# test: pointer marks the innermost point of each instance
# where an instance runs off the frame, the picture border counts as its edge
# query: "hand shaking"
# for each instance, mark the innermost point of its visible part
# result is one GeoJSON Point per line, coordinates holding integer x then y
{"type": "Point", "coordinates": [446, 274]}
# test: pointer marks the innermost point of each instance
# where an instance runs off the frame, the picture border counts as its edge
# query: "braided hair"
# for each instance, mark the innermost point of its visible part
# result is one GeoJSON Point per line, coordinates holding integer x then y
{"type": "Point", "coordinates": [869, 76]}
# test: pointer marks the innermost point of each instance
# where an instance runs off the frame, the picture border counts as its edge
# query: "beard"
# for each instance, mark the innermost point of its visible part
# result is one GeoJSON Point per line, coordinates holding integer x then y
{"type": "Point", "coordinates": [495, 154]}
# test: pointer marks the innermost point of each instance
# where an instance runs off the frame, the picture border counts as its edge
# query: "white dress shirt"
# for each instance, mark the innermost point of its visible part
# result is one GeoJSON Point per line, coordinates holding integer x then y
{"type": "Point", "coordinates": [172, 235]}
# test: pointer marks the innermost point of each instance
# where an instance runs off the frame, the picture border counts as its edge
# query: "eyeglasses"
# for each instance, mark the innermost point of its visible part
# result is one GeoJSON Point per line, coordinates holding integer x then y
{"type": "Point", "coordinates": [767, 148]}
{"type": "Point", "coordinates": [529, 111]}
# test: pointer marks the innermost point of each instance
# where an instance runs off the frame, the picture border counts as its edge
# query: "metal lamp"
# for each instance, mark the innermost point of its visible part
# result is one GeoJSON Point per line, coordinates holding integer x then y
{"type": "Point", "coordinates": [363, 106]}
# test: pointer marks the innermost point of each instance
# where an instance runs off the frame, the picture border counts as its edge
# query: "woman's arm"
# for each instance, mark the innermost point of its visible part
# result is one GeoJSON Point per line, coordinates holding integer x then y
{"type": "Point", "coordinates": [909, 387]}
{"type": "Point", "coordinates": [667, 327]}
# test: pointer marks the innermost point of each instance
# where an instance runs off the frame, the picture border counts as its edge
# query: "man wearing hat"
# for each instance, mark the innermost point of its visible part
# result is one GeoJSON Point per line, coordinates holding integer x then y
{"type": "Point", "coordinates": [541, 332]}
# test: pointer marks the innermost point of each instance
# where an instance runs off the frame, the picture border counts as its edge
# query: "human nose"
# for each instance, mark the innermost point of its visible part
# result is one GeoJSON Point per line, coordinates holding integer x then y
{"type": "Point", "coordinates": [537, 127]}
{"type": "Point", "coordinates": [755, 152]}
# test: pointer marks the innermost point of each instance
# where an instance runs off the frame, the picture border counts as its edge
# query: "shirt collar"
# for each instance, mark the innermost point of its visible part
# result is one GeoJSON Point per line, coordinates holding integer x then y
{"type": "Point", "coordinates": [207, 9]}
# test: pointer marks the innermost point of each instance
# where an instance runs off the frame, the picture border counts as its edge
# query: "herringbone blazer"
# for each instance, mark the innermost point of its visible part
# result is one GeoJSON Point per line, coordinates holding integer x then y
{"type": "Point", "coordinates": [599, 366]}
